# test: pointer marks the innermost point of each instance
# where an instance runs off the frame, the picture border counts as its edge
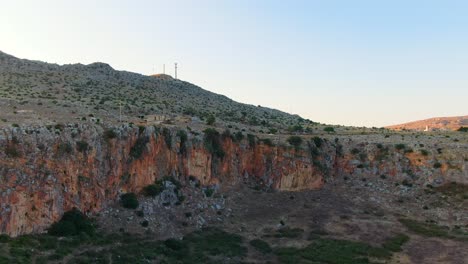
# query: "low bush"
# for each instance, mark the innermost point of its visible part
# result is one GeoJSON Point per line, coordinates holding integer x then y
{"type": "Point", "coordinates": [295, 141]}
{"type": "Point", "coordinates": [210, 120]}
{"type": "Point", "coordinates": [425, 229]}
{"type": "Point", "coordinates": [153, 190]}
{"type": "Point", "coordinates": [394, 244]}
{"type": "Point", "coordinates": [424, 152]}
{"type": "Point", "coordinates": [261, 246]}
{"type": "Point", "coordinates": [129, 200]}
{"type": "Point", "coordinates": [12, 151]}
{"type": "Point", "coordinates": [289, 232]}
{"type": "Point", "coordinates": [72, 223]}
{"type": "Point", "coordinates": [209, 192]}
{"type": "Point", "coordinates": [110, 134]}
{"type": "Point", "coordinates": [400, 146]}
{"type": "Point", "coordinates": [317, 141]}
{"type": "Point", "coordinates": [64, 148]}
{"type": "Point", "coordinates": [267, 142]}
{"type": "Point", "coordinates": [252, 140]}
{"type": "Point", "coordinates": [82, 146]}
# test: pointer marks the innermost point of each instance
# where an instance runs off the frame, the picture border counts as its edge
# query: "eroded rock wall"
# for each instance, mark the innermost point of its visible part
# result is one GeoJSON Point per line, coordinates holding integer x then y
{"type": "Point", "coordinates": [47, 171]}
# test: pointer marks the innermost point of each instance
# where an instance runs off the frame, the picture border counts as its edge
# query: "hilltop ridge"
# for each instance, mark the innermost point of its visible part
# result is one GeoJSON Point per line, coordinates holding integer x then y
{"type": "Point", "coordinates": [76, 91]}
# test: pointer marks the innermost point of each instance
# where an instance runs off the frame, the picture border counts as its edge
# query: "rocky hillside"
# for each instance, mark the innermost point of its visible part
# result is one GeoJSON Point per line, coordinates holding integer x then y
{"type": "Point", "coordinates": [434, 124]}
{"type": "Point", "coordinates": [40, 93]}
{"type": "Point", "coordinates": [116, 167]}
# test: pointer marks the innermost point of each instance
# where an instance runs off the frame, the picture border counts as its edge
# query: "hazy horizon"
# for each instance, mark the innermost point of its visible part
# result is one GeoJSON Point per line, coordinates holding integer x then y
{"type": "Point", "coordinates": [360, 63]}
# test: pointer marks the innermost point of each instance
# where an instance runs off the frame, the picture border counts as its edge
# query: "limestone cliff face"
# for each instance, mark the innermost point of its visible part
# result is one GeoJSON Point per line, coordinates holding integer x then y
{"type": "Point", "coordinates": [45, 172]}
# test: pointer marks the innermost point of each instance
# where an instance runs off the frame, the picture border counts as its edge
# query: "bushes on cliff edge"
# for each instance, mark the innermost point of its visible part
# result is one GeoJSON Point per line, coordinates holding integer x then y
{"type": "Point", "coordinates": [317, 141]}
{"type": "Point", "coordinates": [295, 141]}
{"type": "Point", "coordinates": [72, 223]}
{"type": "Point", "coordinates": [183, 139]}
{"type": "Point", "coordinates": [212, 141]}
{"type": "Point", "coordinates": [110, 134]}
{"type": "Point", "coordinates": [82, 146]}
{"type": "Point", "coordinates": [129, 200]}
{"type": "Point", "coordinates": [137, 150]}
{"type": "Point", "coordinates": [167, 137]}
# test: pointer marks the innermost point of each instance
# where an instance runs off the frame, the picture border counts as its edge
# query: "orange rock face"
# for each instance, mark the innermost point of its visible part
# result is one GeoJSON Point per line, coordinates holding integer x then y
{"type": "Point", "coordinates": [52, 172]}
{"type": "Point", "coordinates": [44, 180]}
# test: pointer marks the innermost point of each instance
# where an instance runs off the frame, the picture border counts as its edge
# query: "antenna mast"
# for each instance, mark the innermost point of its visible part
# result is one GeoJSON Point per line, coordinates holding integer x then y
{"type": "Point", "coordinates": [164, 68]}
{"type": "Point", "coordinates": [176, 70]}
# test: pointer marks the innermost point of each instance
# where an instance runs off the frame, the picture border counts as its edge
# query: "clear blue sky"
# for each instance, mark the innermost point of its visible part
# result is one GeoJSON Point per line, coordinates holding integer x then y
{"type": "Point", "coordinates": [370, 63]}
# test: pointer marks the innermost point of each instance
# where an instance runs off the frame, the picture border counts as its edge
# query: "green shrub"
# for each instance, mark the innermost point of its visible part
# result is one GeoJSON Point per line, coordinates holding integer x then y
{"type": "Point", "coordinates": [110, 134]}
{"type": "Point", "coordinates": [394, 244]}
{"type": "Point", "coordinates": [129, 200]}
{"type": "Point", "coordinates": [72, 223]}
{"type": "Point", "coordinates": [317, 141]}
{"type": "Point", "coordinates": [12, 152]}
{"type": "Point", "coordinates": [212, 140]}
{"type": "Point", "coordinates": [463, 129]}
{"type": "Point", "coordinates": [183, 139]}
{"type": "Point", "coordinates": [424, 152]}
{"type": "Point", "coordinates": [59, 127]}
{"type": "Point", "coordinates": [238, 136]}
{"type": "Point", "coordinates": [65, 148]}
{"type": "Point", "coordinates": [267, 142]}
{"type": "Point", "coordinates": [252, 140]}
{"type": "Point", "coordinates": [289, 232]}
{"type": "Point", "coordinates": [425, 229]}
{"type": "Point", "coordinates": [210, 120]}
{"type": "Point", "coordinates": [295, 128]}
{"type": "Point", "coordinates": [295, 141]}
{"type": "Point", "coordinates": [216, 242]}
{"type": "Point", "coordinates": [329, 129]}
{"type": "Point", "coordinates": [4, 238]}
{"type": "Point", "coordinates": [209, 192]}
{"type": "Point", "coordinates": [167, 137]}
{"type": "Point", "coordinates": [400, 146]}
{"type": "Point", "coordinates": [332, 251]}
{"type": "Point", "coordinates": [261, 246]}
{"type": "Point", "coordinates": [138, 148]}
{"type": "Point", "coordinates": [407, 183]}
{"type": "Point", "coordinates": [82, 146]}
{"type": "Point", "coordinates": [437, 165]}
{"type": "Point", "coordinates": [226, 134]}
{"type": "Point", "coordinates": [153, 190]}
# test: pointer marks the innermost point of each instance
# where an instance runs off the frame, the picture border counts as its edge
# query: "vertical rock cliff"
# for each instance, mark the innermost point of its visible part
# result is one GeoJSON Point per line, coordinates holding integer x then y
{"type": "Point", "coordinates": [47, 171]}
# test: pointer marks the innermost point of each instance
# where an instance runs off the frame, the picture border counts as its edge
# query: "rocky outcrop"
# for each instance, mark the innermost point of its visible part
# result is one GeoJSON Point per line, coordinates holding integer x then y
{"type": "Point", "coordinates": [47, 171]}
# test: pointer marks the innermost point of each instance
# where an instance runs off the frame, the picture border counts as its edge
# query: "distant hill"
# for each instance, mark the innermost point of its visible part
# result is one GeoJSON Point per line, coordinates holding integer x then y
{"type": "Point", "coordinates": [436, 123]}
